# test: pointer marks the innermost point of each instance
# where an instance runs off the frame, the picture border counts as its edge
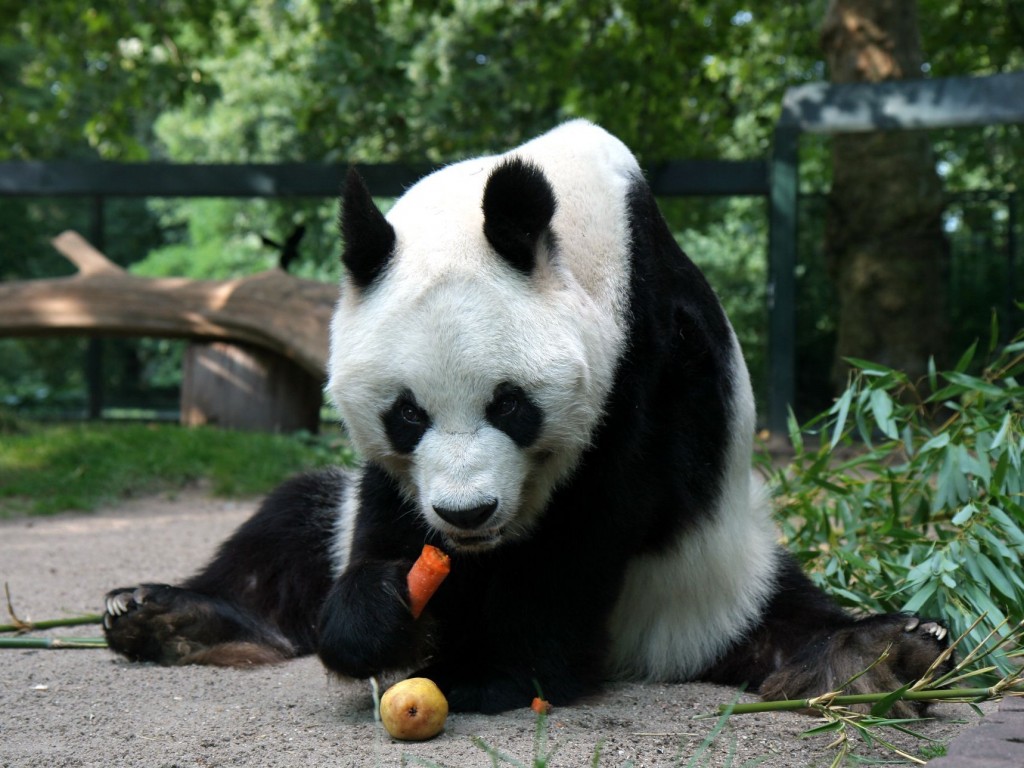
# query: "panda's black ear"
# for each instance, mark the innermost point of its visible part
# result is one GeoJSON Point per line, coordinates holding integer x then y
{"type": "Point", "coordinates": [369, 238]}
{"type": "Point", "coordinates": [518, 206]}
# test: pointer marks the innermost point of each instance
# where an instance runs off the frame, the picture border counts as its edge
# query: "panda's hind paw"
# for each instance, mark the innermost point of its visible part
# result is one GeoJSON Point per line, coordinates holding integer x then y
{"type": "Point", "coordinates": [937, 630]}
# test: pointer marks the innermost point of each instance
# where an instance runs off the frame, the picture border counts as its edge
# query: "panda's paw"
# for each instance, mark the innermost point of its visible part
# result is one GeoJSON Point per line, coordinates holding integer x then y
{"type": "Point", "coordinates": [931, 630]}
{"type": "Point", "coordinates": [365, 625]}
{"type": "Point", "coordinates": [877, 654]}
{"type": "Point", "coordinates": [120, 603]}
{"type": "Point", "coordinates": [145, 623]}
{"type": "Point", "coordinates": [920, 643]}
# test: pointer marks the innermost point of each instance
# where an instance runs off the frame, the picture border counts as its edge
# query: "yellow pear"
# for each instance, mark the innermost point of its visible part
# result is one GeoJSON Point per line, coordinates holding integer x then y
{"type": "Point", "coordinates": [413, 709]}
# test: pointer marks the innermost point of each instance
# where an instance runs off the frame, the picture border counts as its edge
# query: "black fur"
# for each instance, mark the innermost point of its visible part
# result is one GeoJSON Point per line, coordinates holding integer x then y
{"type": "Point", "coordinates": [405, 423]}
{"type": "Point", "coordinates": [518, 206]}
{"type": "Point", "coordinates": [533, 613]}
{"type": "Point", "coordinates": [513, 412]}
{"type": "Point", "coordinates": [369, 238]}
{"type": "Point", "coordinates": [264, 588]}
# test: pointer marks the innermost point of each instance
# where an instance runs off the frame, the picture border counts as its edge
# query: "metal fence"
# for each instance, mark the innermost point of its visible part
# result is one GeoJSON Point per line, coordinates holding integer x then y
{"type": "Point", "coordinates": [813, 108]}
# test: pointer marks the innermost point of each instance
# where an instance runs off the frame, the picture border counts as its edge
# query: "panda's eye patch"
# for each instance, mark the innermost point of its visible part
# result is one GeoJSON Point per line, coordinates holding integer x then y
{"type": "Point", "coordinates": [513, 412]}
{"type": "Point", "coordinates": [405, 422]}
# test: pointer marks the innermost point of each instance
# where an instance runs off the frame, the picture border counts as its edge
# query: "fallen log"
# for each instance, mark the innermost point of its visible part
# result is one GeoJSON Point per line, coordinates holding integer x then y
{"type": "Point", "coordinates": [271, 310]}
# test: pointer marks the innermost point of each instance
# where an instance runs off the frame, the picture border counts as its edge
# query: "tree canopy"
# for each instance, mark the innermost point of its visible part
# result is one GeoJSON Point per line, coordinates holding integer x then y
{"type": "Point", "coordinates": [400, 80]}
{"type": "Point", "coordinates": [339, 81]}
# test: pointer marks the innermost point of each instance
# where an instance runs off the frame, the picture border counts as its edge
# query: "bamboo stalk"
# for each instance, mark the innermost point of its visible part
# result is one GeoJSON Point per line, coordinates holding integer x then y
{"type": "Point", "coordinates": [954, 694]}
{"type": "Point", "coordinates": [53, 643]}
{"type": "Point", "coordinates": [70, 621]}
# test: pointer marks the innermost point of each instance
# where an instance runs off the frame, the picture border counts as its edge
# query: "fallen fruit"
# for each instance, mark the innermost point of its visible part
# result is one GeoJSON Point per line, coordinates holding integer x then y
{"type": "Point", "coordinates": [413, 709]}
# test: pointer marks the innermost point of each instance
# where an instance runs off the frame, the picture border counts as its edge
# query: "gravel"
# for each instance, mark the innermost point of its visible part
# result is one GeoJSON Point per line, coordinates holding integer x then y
{"type": "Point", "coordinates": [91, 708]}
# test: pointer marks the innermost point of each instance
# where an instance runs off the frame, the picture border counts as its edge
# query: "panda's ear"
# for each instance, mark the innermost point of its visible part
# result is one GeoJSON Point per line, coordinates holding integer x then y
{"type": "Point", "coordinates": [369, 238]}
{"type": "Point", "coordinates": [518, 206]}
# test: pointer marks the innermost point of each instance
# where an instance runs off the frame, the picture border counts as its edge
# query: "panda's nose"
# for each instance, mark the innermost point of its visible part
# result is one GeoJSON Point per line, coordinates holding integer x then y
{"type": "Point", "coordinates": [467, 517]}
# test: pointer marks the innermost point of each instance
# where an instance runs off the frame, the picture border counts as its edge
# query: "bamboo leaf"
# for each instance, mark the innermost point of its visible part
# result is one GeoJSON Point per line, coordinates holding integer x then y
{"type": "Point", "coordinates": [1008, 526]}
{"type": "Point", "coordinates": [941, 440]}
{"type": "Point", "coordinates": [965, 514]}
{"type": "Point", "coordinates": [946, 393]}
{"type": "Point", "coordinates": [793, 427]}
{"type": "Point", "coordinates": [882, 706]}
{"type": "Point", "coordinates": [842, 410]}
{"type": "Point", "coordinates": [973, 383]}
{"type": "Point", "coordinates": [923, 595]}
{"type": "Point", "coordinates": [996, 577]}
{"type": "Point", "coordinates": [869, 368]}
{"type": "Point", "coordinates": [831, 727]}
{"type": "Point", "coordinates": [881, 406]}
{"type": "Point", "coordinates": [1003, 429]}
{"type": "Point", "coordinates": [966, 357]}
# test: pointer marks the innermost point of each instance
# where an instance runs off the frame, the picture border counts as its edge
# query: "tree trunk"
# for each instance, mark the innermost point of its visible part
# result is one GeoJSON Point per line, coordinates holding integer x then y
{"type": "Point", "coordinates": [271, 310]}
{"type": "Point", "coordinates": [884, 242]}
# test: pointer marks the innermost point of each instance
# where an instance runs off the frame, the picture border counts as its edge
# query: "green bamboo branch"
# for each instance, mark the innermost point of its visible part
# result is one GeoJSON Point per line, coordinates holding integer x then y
{"type": "Point", "coordinates": [71, 621]}
{"type": "Point", "coordinates": [53, 643]}
{"type": "Point", "coordinates": [961, 695]}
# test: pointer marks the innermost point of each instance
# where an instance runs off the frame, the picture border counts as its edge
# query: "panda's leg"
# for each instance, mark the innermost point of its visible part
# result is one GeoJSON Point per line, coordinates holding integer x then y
{"type": "Point", "coordinates": [805, 645]}
{"type": "Point", "coordinates": [256, 602]}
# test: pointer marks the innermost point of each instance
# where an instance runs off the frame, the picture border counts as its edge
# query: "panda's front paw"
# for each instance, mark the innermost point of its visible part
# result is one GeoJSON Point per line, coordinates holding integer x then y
{"type": "Point", "coordinates": [365, 624]}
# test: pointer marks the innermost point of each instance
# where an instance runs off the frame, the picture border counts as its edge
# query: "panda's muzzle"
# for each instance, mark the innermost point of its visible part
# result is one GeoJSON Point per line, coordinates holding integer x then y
{"type": "Point", "coordinates": [467, 518]}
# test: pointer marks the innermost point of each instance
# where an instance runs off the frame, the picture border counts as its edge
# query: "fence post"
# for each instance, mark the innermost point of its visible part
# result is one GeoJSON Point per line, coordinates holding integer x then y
{"type": "Point", "coordinates": [782, 242]}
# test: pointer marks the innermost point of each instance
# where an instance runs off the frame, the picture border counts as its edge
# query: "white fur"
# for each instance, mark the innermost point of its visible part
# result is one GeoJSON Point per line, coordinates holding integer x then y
{"type": "Point", "coordinates": [345, 524]}
{"type": "Point", "coordinates": [679, 610]}
{"type": "Point", "coordinates": [450, 321]}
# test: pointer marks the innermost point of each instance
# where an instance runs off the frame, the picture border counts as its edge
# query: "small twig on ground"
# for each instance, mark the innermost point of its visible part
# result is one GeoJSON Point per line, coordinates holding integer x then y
{"type": "Point", "coordinates": [21, 626]}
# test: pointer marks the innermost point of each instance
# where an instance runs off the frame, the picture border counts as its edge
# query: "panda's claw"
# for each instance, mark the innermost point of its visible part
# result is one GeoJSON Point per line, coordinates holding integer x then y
{"type": "Point", "coordinates": [911, 624]}
{"type": "Point", "coordinates": [118, 605]}
{"type": "Point", "coordinates": [936, 630]}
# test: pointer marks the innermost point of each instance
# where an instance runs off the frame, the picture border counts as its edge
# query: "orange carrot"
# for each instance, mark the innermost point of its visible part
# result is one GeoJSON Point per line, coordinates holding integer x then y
{"type": "Point", "coordinates": [540, 706]}
{"type": "Point", "coordinates": [425, 576]}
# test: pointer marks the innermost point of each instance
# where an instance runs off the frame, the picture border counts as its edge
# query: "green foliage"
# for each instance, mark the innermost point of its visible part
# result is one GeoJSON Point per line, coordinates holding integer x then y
{"type": "Point", "coordinates": [56, 468]}
{"type": "Point", "coordinates": [910, 495]}
{"type": "Point", "coordinates": [88, 79]}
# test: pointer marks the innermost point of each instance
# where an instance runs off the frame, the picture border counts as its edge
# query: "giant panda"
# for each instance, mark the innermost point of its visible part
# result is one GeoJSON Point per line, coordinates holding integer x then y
{"type": "Point", "coordinates": [539, 382]}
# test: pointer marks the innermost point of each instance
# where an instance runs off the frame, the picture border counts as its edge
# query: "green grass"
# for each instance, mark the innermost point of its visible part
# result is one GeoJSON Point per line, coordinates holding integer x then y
{"type": "Point", "coordinates": [53, 468]}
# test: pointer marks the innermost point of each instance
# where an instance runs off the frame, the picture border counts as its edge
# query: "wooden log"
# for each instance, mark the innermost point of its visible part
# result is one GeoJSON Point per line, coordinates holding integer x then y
{"type": "Point", "coordinates": [243, 387]}
{"type": "Point", "coordinates": [271, 310]}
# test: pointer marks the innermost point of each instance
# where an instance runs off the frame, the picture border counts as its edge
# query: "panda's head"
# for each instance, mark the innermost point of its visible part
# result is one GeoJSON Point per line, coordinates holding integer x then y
{"type": "Point", "coordinates": [466, 359]}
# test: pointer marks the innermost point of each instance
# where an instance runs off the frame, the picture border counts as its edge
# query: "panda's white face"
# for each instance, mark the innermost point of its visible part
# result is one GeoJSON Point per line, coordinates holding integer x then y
{"type": "Point", "coordinates": [475, 341]}
{"type": "Point", "coordinates": [478, 392]}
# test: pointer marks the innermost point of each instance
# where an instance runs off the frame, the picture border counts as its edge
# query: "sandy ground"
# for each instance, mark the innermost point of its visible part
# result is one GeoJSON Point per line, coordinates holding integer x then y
{"type": "Point", "coordinates": [90, 708]}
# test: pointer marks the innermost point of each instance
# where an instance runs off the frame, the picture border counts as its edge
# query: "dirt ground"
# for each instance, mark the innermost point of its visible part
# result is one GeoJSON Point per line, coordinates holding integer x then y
{"type": "Point", "coordinates": [90, 708]}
